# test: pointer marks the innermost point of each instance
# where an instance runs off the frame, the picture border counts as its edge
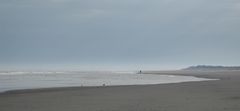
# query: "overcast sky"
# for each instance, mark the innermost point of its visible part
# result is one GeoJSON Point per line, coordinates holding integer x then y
{"type": "Point", "coordinates": [118, 34]}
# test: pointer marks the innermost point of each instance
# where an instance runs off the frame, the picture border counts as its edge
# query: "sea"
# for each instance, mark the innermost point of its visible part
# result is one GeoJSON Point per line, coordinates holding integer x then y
{"type": "Point", "coordinates": [18, 80]}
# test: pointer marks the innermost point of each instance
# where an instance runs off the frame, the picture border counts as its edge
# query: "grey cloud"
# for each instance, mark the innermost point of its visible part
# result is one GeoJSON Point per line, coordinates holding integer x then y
{"type": "Point", "coordinates": [119, 31]}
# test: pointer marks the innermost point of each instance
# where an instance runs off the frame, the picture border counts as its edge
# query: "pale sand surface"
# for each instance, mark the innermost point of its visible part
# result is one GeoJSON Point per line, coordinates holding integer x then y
{"type": "Point", "coordinates": [220, 95]}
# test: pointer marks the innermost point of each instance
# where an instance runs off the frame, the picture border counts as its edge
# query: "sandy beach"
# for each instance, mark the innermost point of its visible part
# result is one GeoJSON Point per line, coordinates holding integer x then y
{"type": "Point", "coordinates": [220, 95]}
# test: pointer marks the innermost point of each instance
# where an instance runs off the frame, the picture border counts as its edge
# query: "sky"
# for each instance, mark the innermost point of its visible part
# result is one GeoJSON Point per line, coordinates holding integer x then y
{"type": "Point", "coordinates": [118, 34]}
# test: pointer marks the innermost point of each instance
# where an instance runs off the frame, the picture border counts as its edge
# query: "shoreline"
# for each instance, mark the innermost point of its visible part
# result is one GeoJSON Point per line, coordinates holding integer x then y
{"type": "Point", "coordinates": [30, 90]}
{"type": "Point", "coordinates": [50, 89]}
{"type": "Point", "coordinates": [220, 95]}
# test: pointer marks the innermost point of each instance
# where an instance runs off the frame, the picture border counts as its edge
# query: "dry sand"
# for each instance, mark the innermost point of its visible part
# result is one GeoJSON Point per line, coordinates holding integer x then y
{"type": "Point", "coordinates": [221, 95]}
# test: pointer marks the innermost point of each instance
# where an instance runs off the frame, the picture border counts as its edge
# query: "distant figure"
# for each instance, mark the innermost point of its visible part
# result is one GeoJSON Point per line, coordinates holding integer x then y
{"type": "Point", "coordinates": [140, 72]}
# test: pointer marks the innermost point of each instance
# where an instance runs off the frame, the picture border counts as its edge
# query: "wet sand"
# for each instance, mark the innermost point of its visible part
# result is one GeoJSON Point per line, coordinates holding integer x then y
{"type": "Point", "coordinates": [220, 95]}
